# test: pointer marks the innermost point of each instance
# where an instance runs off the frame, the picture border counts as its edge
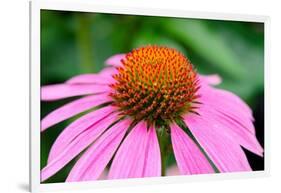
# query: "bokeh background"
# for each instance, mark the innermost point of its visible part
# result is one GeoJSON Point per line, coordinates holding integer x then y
{"type": "Point", "coordinates": [73, 43]}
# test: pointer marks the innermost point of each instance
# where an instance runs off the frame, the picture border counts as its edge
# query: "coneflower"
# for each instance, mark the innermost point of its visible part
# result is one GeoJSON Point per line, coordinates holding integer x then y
{"type": "Point", "coordinates": [142, 102]}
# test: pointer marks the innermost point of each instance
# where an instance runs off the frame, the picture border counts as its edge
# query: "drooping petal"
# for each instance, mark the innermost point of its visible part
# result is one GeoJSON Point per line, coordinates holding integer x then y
{"type": "Point", "coordinates": [61, 91]}
{"type": "Point", "coordinates": [225, 152]}
{"type": "Point", "coordinates": [103, 77]}
{"type": "Point", "coordinates": [115, 60]}
{"type": "Point", "coordinates": [152, 164]}
{"type": "Point", "coordinates": [231, 128]}
{"type": "Point", "coordinates": [211, 79]}
{"type": "Point", "coordinates": [76, 128]}
{"type": "Point", "coordinates": [94, 160]}
{"type": "Point", "coordinates": [108, 71]}
{"type": "Point", "coordinates": [76, 146]}
{"type": "Point", "coordinates": [137, 155]}
{"type": "Point", "coordinates": [73, 108]}
{"type": "Point", "coordinates": [91, 79]}
{"type": "Point", "coordinates": [228, 105]}
{"type": "Point", "coordinates": [190, 159]}
{"type": "Point", "coordinates": [230, 98]}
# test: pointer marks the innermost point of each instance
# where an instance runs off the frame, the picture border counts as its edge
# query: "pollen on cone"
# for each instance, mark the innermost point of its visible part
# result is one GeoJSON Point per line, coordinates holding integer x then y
{"type": "Point", "coordinates": [155, 82]}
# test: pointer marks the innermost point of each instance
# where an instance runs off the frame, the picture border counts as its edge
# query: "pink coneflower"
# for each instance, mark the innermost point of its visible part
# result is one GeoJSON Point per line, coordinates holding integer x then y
{"type": "Point", "coordinates": [150, 95]}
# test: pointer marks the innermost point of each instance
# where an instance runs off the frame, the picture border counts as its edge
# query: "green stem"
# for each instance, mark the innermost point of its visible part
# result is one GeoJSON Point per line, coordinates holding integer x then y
{"type": "Point", "coordinates": [163, 143]}
{"type": "Point", "coordinates": [85, 43]}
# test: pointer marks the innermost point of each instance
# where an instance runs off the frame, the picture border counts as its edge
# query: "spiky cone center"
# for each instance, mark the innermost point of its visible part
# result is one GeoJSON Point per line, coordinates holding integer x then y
{"type": "Point", "coordinates": [155, 84]}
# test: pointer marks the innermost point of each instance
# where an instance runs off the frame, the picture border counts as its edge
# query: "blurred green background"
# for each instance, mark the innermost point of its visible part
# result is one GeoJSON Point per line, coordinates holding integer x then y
{"type": "Point", "coordinates": [73, 43]}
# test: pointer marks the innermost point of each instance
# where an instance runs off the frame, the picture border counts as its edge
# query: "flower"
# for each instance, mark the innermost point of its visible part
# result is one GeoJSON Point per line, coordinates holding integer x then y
{"type": "Point", "coordinates": [132, 104]}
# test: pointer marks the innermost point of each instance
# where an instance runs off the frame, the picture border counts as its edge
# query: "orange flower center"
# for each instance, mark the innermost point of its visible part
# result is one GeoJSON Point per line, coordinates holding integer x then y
{"type": "Point", "coordinates": [155, 83]}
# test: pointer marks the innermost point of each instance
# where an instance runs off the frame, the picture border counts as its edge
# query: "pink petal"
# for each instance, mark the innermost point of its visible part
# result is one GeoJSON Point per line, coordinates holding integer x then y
{"type": "Point", "coordinates": [108, 71]}
{"type": "Point", "coordinates": [225, 152]}
{"type": "Point", "coordinates": [94, 160]}
{"type": "Point", "coordinates": [211, 79]}
{"type": "Point", "coordinates": [137, 155]}
{"type": "Point", "coordinates": [61, 91]}
{"type": "Point", "coordinates": [189, 158]}
{"type": "Point", "coordinates": [115, 60]}
{"type": "Point", "coordinates": [229, 105]}
{"type": "Point", "coordinates": [229, 99]}
{"type": "Point", "coordinates": [91, 79]}
{"type": "Point", "coordinates": [152, 165]}
{"type": "Point", "coordinates": [77, 146]}
{"type": "Point", "coordinates": [76, 128]}
{"type": "Point", "coordinates": [73, 108]}
{"type": "Point", "coordinates": [235, 131]}
{"type": "Point", "coordinates": [234, 99]}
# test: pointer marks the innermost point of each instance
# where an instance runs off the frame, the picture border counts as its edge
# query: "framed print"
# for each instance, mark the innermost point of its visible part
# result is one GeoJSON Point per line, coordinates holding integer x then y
{"type": "Point", "coordinates": [125, 96]}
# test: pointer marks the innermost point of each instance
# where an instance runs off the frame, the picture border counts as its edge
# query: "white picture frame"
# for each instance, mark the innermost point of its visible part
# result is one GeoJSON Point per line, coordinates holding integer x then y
{"type": "Point", "coordinates": [87, 6]}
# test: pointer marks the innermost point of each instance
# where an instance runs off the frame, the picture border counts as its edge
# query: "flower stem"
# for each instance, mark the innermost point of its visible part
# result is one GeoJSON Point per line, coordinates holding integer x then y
{"type": "Point", "coordinates": [163, 143]}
